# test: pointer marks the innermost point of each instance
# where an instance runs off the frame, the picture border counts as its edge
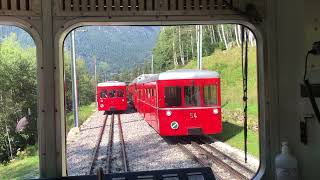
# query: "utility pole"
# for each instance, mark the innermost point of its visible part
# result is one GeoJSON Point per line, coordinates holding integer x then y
{"type": "Point", "coordinates": [95, 68]}
{"type": "Point", "coordinates": [74, 80]}
{"type": "Point", "coordinates": [199, 46]}
{"type": "Point", "coordinates": [95, 75]}
{"type": "Point", "coordinates": [152, 70]}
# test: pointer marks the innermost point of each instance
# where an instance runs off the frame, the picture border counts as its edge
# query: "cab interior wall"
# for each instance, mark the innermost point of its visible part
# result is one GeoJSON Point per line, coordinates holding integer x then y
{"type": "Point", "coordinates": [300, 21]}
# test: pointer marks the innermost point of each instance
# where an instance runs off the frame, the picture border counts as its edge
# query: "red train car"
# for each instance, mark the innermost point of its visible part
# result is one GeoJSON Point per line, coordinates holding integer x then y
{"type": "Point", "coordinates": [179, 102]}
{"type": "Point", "coordinates": [112, 96]}
{"type": "Point", "coordinates": [132, 88]}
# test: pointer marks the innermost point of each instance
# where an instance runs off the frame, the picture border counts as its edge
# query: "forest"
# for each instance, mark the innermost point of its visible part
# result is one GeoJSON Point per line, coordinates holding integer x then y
{"type": "Point", "coordinates": [18, 94]}
{"type": "Point", "coordinates": [114, 48]}
{"type": "Point", "coordinates": [176, 46]}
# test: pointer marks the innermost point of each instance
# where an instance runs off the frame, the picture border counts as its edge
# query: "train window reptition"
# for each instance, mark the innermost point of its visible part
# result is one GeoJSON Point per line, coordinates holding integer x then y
{"type": "Point", "coordinates": [210, 95]}
{"type": "Point", "coordinates": [120, 93]}
{"type": "Point", "coordinates": [103, 94]}
{"type": "Point", "coordinates": [172, 96]}
{"type": "Point", "coordinates": [192, 95]}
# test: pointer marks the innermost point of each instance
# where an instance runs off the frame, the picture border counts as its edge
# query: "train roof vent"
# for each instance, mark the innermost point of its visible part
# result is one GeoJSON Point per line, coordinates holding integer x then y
{"type": "Point", "coordinates": [20, 7]}
{"type": "Point", "coordinates": [144, 7]}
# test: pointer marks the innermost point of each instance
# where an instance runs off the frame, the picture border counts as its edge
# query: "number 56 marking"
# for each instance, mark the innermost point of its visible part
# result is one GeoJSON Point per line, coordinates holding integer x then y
{"type": "Point", "coordinates": [193, 115]}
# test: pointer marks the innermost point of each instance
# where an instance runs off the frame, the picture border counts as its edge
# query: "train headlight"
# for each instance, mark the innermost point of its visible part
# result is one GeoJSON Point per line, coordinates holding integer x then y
{"type": "Point", "coordinates": [215, 111]}
{"type": "Point", "coordinates": [102, 105]}
{"type": "Point", "coordinates": [122, 100]}
{"type": "Point", "coordinates": [168, 113]}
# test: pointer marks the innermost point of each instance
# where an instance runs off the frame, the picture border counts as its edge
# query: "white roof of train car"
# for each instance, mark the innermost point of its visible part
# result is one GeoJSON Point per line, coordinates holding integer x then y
{"type": "Point", "coordinates": [143, 77]}
{"type": "Point", "coordinates": [178, 74]}
{"type": "Point", "coordinates": [187, 74]}
{"type": "Point", "coordinates": [112, 83]}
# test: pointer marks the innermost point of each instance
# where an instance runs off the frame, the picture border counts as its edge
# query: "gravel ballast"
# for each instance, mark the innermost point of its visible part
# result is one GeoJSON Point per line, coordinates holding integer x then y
{"type": "Point", "coordinates": [145, 149]}
{"type": "Point", "coordinates": [81, 145]}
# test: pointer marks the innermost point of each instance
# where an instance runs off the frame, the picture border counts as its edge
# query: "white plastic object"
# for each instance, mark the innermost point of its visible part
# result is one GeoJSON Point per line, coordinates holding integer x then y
{"type": "Point", "coordinates": [286, 164]}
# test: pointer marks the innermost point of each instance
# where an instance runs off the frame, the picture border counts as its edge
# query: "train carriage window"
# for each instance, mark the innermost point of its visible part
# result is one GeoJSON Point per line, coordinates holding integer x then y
{"type": "Point", "coordinates": [112, 94]}
{"type": "Point", "coordinates": [172, 96]}
{"type": "Point", "coordinates": [103, 94]}
{"type": "Point", "coordinates": [210, 95]}
{"type": "Point", "coordinates": [120, 93]}
{"type": "Point", "coordinates": [192, 95]}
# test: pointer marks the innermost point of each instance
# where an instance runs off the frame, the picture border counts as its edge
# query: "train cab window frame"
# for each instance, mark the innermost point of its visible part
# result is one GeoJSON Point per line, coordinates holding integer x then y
{"type": "Point", "coordinates": [103, 94]}
{"type": "Point", "coordinates": [112, 93]}
{"type": "Point", "coordinates": [192, 99]}
{"type": "Point", "coordinates": [120, 93]}
{"type": "Point", "coordinates": [172, 96]}
{"type": "Point", "coordinates": [210, 99]}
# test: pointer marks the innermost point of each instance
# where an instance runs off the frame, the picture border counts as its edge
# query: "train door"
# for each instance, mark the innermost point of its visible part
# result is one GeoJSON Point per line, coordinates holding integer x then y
{"type": "Point", "coordinates": [192, 93]}
{"type": "Point", "coordinates": [101, 97]}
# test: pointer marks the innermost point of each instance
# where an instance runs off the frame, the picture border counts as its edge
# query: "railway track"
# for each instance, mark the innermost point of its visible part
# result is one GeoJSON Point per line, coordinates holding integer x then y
{"type": "Point", "coordinates": [107, 159]}
{"type": "Point", "coordinates": [226, 157]}
{"type": "Point", "coordinates": [123, 146]}
{"type": "Point", "coordinates": [207, 155]}
{"type": "Point", "coordinates": [97, 146]}
{"type": "Point", "coordinates": [113, 157]}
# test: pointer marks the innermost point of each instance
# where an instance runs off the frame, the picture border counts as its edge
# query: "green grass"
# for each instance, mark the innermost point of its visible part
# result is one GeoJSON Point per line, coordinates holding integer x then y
{"type": "Point", "coordinates": [24, 166]}
{"type": "Point", "coordinates": [228, 64]}
{"type": "Point", "coordinates": [84, 113]}
{"type": "Point", "coordinates": [233, 135]}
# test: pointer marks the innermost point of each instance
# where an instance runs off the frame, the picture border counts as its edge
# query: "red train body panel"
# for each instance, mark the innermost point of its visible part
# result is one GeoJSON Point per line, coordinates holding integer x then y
{"type": "Point", "coordinates": [181, 102]}
{"type": "Point", "coordinates": [112, 96]}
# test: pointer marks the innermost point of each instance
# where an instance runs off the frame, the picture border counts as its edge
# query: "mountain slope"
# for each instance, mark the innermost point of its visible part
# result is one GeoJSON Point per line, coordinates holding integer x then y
{"type": "Point", "coordinates": [121, 47]}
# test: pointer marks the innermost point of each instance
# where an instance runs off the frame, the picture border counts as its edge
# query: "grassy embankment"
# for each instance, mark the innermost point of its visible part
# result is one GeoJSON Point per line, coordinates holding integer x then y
{"type": "Point", "coordinates": [26, 164]}
{"type": "Point", "coordinates": [84, 113]}
{"type": "Point", "coordinates": [228, 64]}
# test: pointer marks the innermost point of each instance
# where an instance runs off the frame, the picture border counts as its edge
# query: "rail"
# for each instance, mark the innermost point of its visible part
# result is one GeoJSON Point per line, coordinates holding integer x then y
{"type": "Point", "coordinates": [110, 144]}
{"type": "Point", "coordinates": [123, 146]}
{"type": "Point", "coordinates": [218, 161]}
{"type": "Point", "coordinates": [97, 146]}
